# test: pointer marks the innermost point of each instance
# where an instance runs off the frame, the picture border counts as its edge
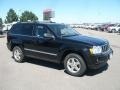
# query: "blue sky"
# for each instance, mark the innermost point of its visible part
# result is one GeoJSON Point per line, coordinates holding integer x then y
{"type": "Point", "coordinates": [67, 11]}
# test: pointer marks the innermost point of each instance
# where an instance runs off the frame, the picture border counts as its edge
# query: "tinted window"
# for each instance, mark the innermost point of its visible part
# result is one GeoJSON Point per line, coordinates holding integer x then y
{"type": "Point", "coordinates": [27, 29]}
{"type": "Point", "coordinates": [41, 30]}
{"type": "Point", "coordinates": [56, 29]}
{"type": "Point", "coordinates": [23, 29]}
{"type": "Point", "coordinates": [16, 29]}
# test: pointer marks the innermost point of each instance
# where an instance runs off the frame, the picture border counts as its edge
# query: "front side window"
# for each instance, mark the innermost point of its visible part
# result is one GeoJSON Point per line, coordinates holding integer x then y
{"type": "Point", "coordinates": [41, 30]}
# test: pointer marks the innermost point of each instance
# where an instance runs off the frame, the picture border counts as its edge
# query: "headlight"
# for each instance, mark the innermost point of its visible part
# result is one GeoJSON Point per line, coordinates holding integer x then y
{"type": "Point", "coordinates": [96, 50]}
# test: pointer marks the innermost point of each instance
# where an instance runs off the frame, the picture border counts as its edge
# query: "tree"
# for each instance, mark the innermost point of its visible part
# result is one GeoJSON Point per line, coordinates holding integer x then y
{"type": "Point", "coordinates": [26, 15]}
{"type": "Point", "coordinates": [11, 16]}
{"type": "Point", "coordinates": [1, 22]}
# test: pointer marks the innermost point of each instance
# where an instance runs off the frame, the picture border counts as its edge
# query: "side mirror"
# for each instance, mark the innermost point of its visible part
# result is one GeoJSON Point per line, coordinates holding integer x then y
{"type": "Point", "coordinates": [49, 36]}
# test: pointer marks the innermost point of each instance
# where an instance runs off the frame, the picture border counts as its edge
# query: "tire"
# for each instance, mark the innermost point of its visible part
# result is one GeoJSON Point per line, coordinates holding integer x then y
{"type": "Point", "coordinates": [74, 65]}
{"type": "Point", "coordinates": [18, 54]}
{"type": "Point", "coordinates": [108, 31]}
{"type": "Point", "coordinates": [119, 31]}
{"type": "Point", "coordinates": [113, 31]}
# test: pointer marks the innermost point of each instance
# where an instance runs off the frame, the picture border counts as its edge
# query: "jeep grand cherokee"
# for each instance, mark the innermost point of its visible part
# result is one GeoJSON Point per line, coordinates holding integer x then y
{"type": "Point", "coordinates": [60, 44]}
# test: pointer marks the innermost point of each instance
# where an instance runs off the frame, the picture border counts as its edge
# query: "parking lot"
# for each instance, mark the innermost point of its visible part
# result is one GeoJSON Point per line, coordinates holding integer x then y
{"type": "Point", "coordinates": [40, 75]}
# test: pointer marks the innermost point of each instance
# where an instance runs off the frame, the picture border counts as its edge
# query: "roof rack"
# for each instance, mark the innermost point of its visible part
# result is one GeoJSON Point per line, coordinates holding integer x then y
{"type": "Point", "coordinates": [46, 22]}
{"type": "Point", "coordinates": [37, 22]}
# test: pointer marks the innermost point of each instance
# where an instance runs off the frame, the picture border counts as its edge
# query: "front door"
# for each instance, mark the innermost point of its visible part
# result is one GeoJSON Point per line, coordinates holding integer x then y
{"type": "Point", "coordinates": [43, 48]}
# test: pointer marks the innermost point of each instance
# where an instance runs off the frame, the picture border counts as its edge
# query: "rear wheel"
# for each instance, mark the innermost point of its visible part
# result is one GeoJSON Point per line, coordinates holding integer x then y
{"type": "Point", "coordinates": [18, 54]}
{"type": "Point", "coordinates": [74, 64]}
{"type": "Point", "coordinates": [113, 31]}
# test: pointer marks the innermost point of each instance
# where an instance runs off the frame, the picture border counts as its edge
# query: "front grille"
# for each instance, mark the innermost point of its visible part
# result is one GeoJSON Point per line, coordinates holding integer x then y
{"type": "Point", "coordinates": [105, 47]}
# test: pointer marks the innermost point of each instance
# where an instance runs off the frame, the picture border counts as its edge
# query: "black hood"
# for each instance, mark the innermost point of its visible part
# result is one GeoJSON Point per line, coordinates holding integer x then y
{"type": "Point", "coordinates": [87, 40]}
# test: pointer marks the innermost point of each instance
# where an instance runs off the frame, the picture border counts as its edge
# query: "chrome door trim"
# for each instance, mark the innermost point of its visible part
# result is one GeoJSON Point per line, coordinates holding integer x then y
{"type": "Point", "coordinates": [40, 52]}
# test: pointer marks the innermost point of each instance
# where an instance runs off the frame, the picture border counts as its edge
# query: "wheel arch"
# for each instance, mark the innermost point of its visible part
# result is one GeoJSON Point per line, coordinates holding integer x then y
{"type": "Point", "coordinates": [15, 44]}
{"type": "Point", "coordinates": [72, 51]}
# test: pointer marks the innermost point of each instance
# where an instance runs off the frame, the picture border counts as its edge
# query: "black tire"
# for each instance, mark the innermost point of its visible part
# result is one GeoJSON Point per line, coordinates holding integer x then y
{"type": "Point", "coordinates": [20, 49]}
{"type": "Point", "coordinates": [119, 31]}
{"type": "Point", "coordinates": [113, 31]}
{"type": "Point", "coordinates": [81, 61]}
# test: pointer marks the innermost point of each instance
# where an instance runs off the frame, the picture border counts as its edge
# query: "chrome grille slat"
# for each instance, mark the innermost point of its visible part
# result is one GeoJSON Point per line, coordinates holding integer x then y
{"type": "Point", "coordinates": [105, 47]}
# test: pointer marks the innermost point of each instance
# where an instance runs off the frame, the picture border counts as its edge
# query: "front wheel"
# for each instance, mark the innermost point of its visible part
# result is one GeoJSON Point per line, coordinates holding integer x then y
{"type": "Point", "coordinates": [18, 54]}
{"type": "Point", "coordinates": [74, 64]}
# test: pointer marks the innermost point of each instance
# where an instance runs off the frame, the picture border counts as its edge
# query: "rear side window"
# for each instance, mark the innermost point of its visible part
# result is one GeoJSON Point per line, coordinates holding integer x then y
{"type": "Point", "coordinates": [16, 29]}
{"type": "Point", "coordinates": [27, 29]}
{"type": "Point", "coordinates": [22, 29]}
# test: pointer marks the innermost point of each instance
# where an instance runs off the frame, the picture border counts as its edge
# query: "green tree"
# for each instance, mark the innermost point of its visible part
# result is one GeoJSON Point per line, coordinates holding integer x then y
{"type": "Point", "coordinates": [11, 16]}
{"type": "Point", "coordinates": [26, 15]}
{"type": "Point", "coordinates": [1, 22]}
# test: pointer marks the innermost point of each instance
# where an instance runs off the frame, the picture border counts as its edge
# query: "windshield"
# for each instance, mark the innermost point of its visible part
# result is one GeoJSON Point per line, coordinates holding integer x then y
{"type": "Point", "coordinates": [63, 30]}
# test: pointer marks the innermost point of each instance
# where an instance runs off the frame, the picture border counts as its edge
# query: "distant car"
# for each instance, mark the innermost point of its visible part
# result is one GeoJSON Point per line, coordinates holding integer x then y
{"type": "Point", "coordinates": [114, 29]}
{"type": "Point", "coordinates": [7, 27]}
{"type": "Point", "coordinates": [101, 27]}
{"type": "Point", "coordinates": [94, 26]}
{"type": "Point", "coordinates": [87, 26]}
{"type": "Point", "coordinates": [107, 26]}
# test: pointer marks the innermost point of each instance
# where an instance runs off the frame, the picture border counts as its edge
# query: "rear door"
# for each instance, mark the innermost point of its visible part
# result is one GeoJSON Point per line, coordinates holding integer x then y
{"type": "Point", "coordinates": [27, 35]}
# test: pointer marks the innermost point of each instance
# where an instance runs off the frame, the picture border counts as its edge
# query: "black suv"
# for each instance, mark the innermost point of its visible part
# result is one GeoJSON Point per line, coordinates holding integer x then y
{"type": "Point", "coordinates": [60, 44]}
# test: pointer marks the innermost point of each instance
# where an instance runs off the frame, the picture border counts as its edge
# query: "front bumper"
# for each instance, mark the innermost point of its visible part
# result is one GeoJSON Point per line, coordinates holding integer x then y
{"type": "Point", "coordinates": [99, 60]}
